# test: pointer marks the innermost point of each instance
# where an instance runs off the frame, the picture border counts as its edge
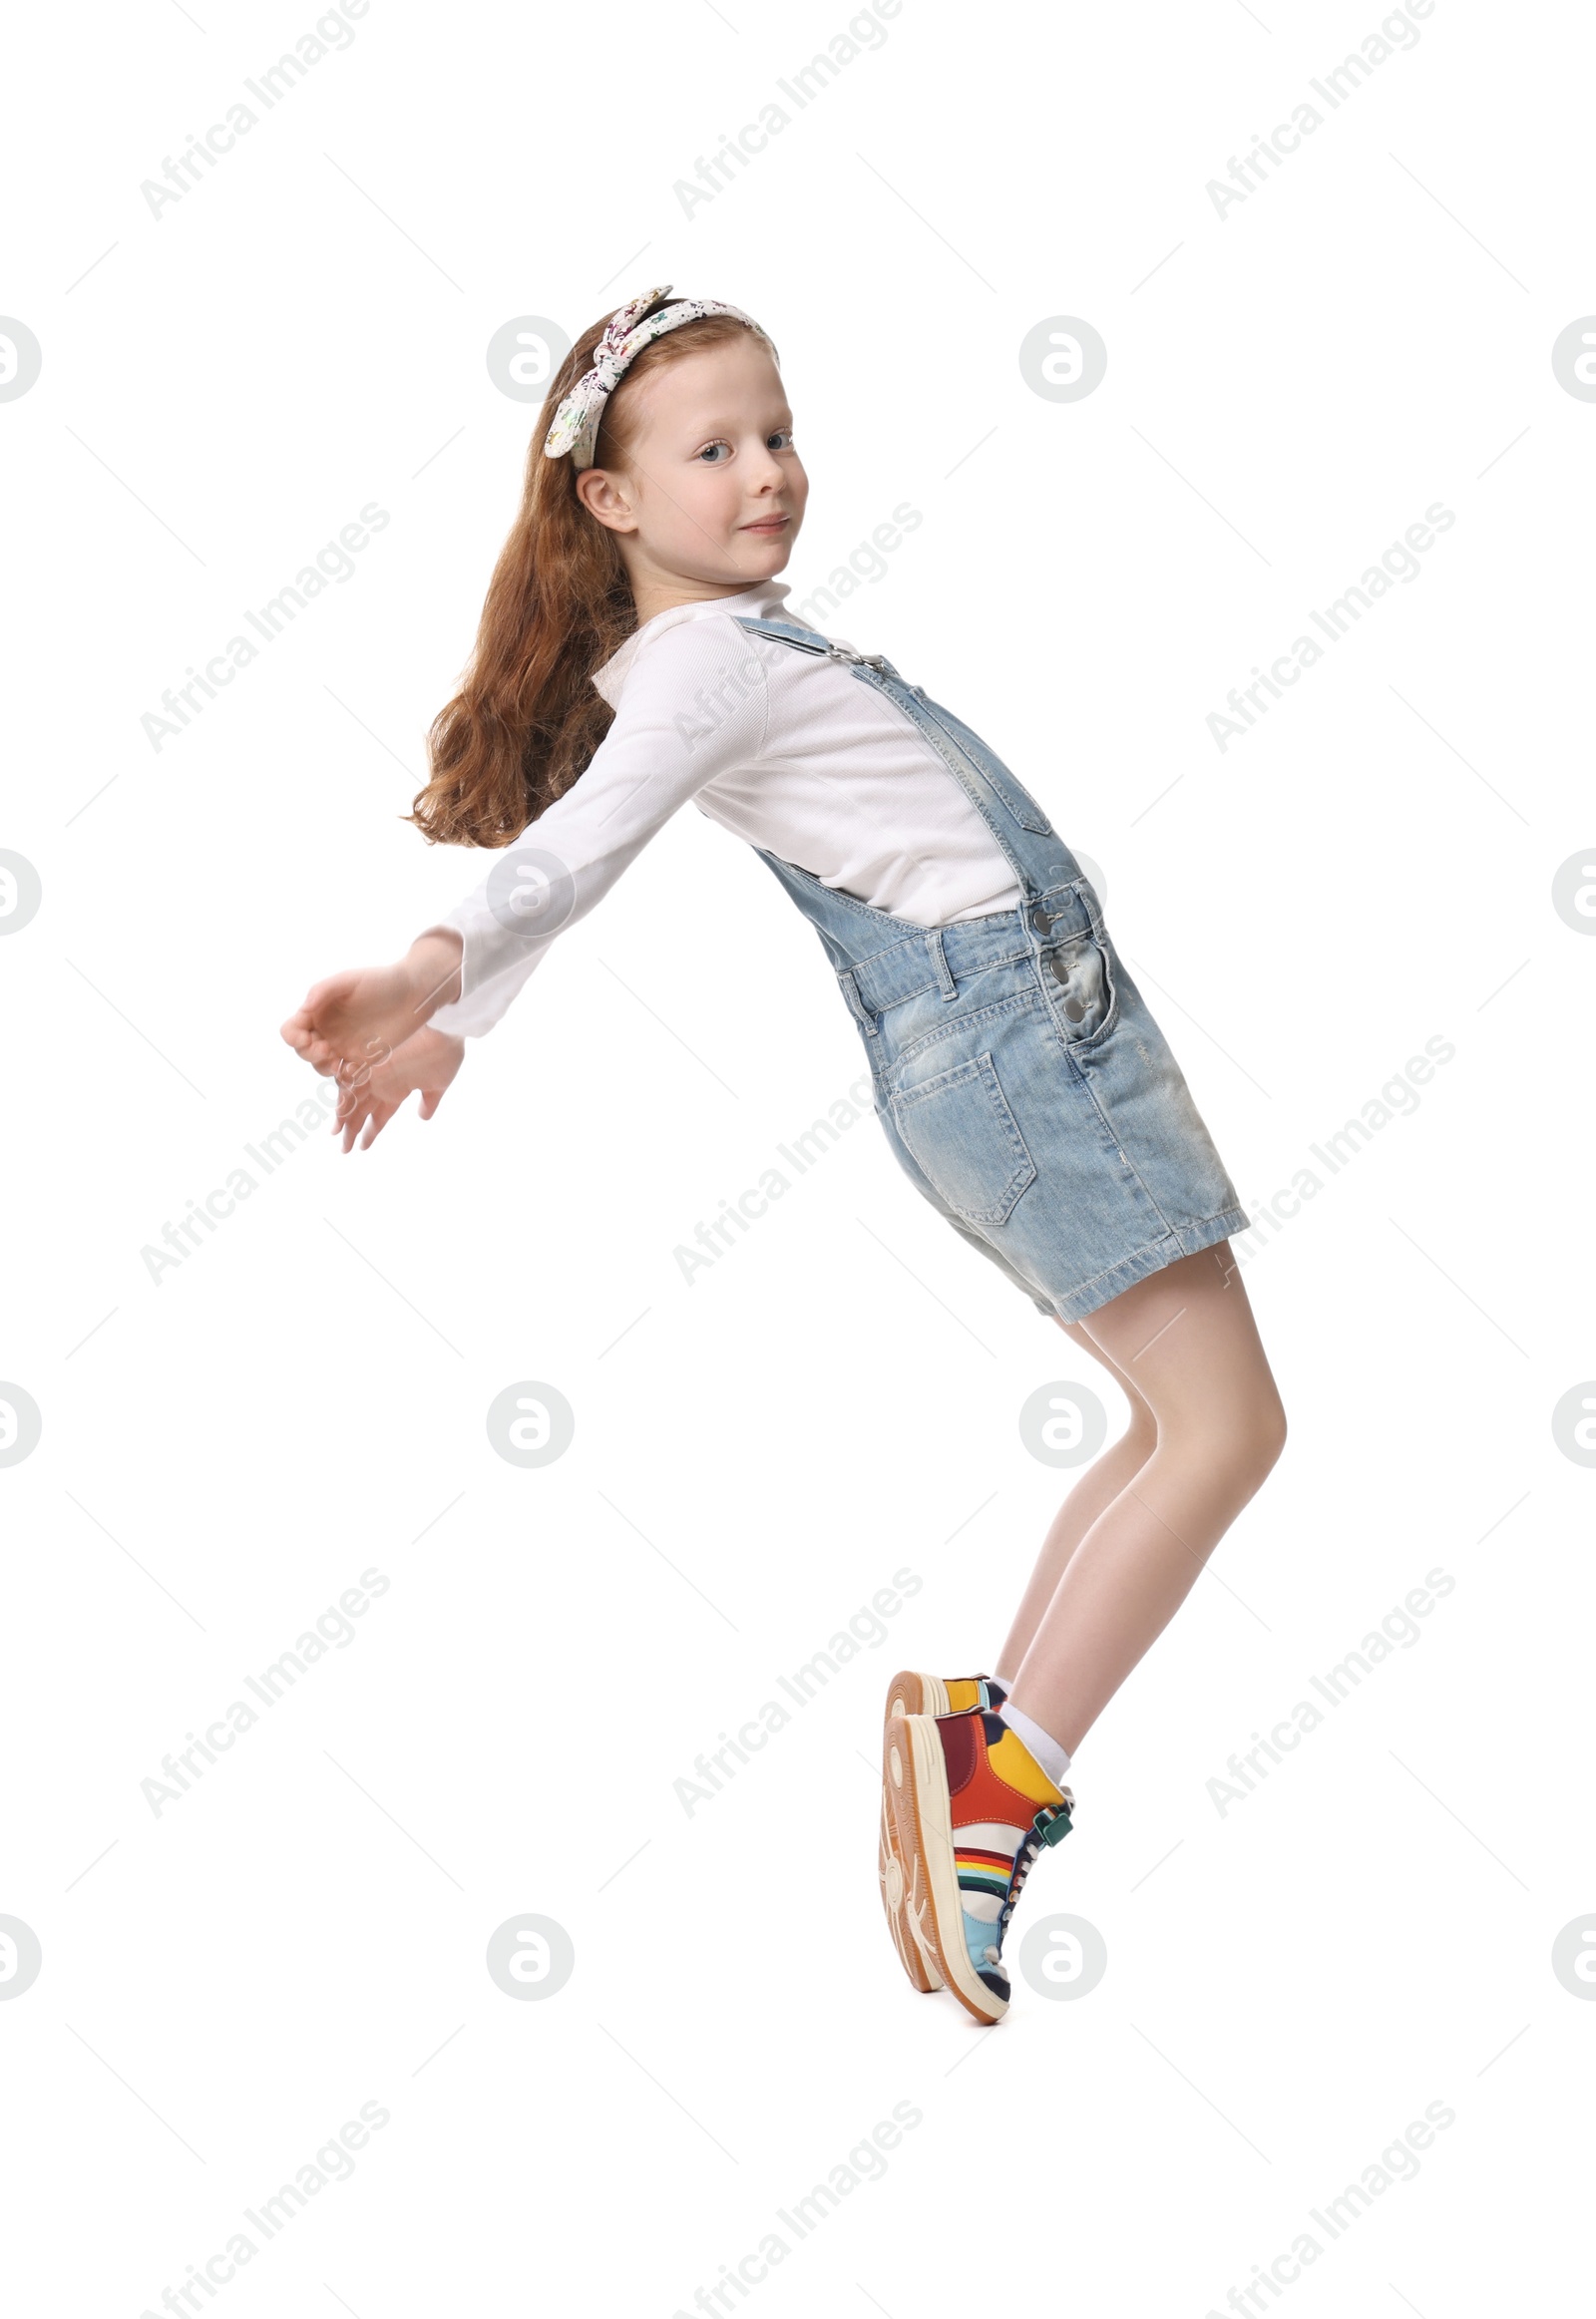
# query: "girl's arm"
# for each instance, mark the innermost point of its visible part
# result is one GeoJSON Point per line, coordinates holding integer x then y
{"type": "Point", "coordinates": [693, 706]}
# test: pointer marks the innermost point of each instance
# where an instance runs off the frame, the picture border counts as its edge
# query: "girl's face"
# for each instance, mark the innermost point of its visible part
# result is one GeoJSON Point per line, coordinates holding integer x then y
{"type": "Point", "coordinates": [710, 491]}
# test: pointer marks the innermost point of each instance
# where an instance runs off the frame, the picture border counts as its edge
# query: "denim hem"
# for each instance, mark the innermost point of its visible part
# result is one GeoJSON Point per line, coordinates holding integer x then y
{"type": "Point", "coordinates": [1186, 1240]}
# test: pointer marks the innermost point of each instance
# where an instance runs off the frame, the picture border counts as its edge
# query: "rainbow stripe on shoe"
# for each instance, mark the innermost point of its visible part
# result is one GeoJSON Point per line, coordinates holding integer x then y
{"type": "Point", "coordinates": [972, 1810]}
{"type": "Point", "coordinates": [902, 1895]}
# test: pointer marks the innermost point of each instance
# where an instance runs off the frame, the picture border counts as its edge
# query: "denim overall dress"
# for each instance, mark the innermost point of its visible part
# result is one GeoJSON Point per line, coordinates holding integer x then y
{"type": "Point", "coordinates": [1021, 1081]}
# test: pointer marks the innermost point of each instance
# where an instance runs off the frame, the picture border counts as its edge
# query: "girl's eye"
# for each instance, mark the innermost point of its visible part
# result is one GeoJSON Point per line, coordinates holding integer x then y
{"type": "Point", "coordinates": [780, 440]}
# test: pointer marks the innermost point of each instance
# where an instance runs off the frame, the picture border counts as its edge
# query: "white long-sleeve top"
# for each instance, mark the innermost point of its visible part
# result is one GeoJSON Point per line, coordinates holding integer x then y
{"type": "Point", "coordinates": [788, 750]}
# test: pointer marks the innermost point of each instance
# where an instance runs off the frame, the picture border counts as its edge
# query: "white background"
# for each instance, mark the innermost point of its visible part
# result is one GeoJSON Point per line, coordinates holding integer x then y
{"type": "Point", "coordinates": [1289, 1982]}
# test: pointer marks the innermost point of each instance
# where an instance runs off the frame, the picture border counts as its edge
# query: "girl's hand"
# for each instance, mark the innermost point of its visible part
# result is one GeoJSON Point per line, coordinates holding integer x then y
{"type": "Point", "coordinates": [353, 1022]}
{"type": "Point", "coordinates": [427, 1063]}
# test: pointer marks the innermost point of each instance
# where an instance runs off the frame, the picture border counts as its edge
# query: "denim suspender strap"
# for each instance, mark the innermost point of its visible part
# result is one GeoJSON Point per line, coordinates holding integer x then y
{"type": "Point", "coordinates": [1024, 834]}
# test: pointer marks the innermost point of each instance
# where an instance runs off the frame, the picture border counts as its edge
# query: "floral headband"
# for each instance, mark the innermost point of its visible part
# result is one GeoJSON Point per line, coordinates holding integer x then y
{"type": "Point", "coordinates": [575, 422]}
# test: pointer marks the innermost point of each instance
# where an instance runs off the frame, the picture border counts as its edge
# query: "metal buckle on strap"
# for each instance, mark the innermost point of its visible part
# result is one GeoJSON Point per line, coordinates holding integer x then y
{"type": "Point", "coordinates": [858, 659]}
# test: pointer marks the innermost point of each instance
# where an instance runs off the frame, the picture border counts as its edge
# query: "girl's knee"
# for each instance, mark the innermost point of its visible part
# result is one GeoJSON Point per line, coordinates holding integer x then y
{"type": "Point", "coordinates": [1257, 1438]}
{"type": "Point", "coordinates": [1267, 1433]}
{"type": "Point", "coordinates": [1270, 1423]}
{"type": "Point", "coordinates": [1242, 1439]}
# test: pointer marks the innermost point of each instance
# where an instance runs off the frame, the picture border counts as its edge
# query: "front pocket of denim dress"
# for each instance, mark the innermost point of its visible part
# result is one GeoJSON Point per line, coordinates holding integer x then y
{"type": "Point", "coordinates": [964, 1137]}
{"type": "Point", "coordinates": [1084, 991]}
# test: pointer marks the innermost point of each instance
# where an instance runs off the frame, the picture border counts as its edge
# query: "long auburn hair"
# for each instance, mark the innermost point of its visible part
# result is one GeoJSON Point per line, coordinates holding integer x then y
{"type": "Point", "coordinates": [526, 720]}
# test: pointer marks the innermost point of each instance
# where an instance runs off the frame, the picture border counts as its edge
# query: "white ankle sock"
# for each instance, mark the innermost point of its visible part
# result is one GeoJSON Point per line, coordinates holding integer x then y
{"type": "Point", "coordinates": [1054, 1759]}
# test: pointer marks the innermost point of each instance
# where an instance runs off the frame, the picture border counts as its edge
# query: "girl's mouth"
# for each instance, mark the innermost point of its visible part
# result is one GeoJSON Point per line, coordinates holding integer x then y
{"type": "Point", "coordinates": [769, 524]}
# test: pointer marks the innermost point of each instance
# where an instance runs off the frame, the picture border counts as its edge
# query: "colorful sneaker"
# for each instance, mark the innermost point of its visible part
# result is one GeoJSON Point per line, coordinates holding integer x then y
{"type": "Point", "coordinates": [910, 1694]}
{"type": "Point", "coordinates": [972, 1809]}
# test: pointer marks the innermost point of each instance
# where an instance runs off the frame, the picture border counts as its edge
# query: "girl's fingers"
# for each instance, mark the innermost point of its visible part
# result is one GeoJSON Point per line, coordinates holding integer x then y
{"type": "Point", "coordinates": [312, 1043]}
{"type": "Point", "coordinates": [356, 1103]}
{"type": "Point", "coordinates": [362, 1111]}
{"type": "Point", "coordinates": [306, 1039]}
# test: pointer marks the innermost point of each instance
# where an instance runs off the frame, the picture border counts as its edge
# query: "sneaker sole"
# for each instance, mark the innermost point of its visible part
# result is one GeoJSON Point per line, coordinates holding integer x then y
{"type": "Point", "coordinates": [923, 1830]}
{"type": "Point", "coordinates": [908, 1694]}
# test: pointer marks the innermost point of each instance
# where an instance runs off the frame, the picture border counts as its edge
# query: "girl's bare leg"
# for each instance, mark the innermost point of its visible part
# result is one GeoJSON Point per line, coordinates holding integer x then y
{"type": "Point", "coordinates": [1187, 1338]}
{"type": "Point", "coordinates": [1097, 1489]}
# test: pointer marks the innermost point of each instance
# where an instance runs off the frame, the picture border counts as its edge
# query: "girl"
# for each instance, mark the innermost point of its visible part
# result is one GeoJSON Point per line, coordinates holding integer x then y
{"type": "Point", "coordinates": [634, 653]}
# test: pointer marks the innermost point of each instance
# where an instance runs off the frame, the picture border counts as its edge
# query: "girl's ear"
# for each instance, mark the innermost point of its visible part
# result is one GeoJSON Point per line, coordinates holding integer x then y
{"type": "Point", "coordinates": [605, 498]}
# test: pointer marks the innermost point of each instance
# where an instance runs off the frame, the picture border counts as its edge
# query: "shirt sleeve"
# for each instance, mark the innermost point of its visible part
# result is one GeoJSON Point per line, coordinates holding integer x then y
{"type": "Point", "coordinates": [694, 704]}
